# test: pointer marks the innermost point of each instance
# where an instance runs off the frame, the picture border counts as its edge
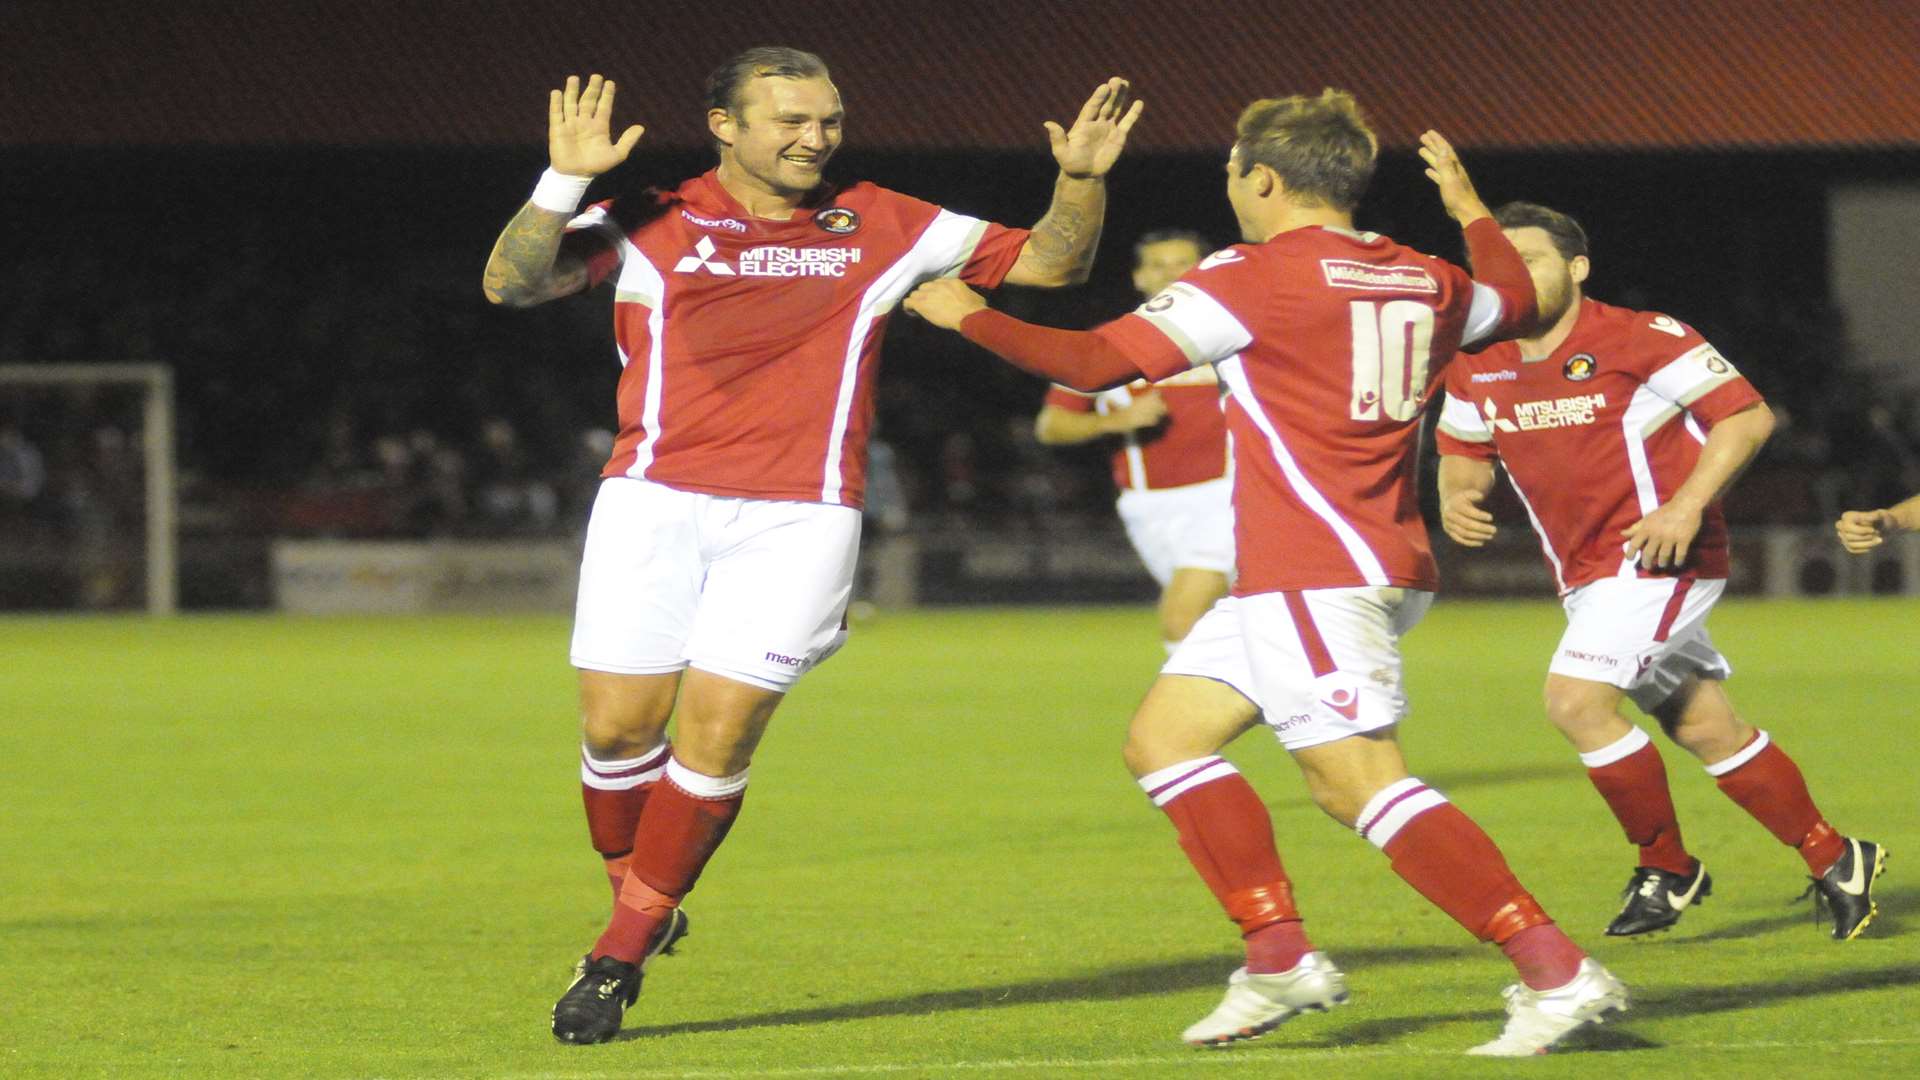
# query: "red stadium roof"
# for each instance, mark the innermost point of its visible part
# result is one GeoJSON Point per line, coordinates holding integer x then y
{"type": "Point", "coordinates": [1628, 74]}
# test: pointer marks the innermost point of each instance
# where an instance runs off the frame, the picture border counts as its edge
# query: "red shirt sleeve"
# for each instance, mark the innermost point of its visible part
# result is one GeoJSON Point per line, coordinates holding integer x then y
{"type": "Point", "coordinates": [1145, 347]}
{"type": "Point", "coordinates": [1499, 267]}
{"type": "Point", "coordinates": [1080, 359]}
{"type": "Point", "coordinates": [1724, 400]}
{"type": "Point", "coordinates": [993, 257]}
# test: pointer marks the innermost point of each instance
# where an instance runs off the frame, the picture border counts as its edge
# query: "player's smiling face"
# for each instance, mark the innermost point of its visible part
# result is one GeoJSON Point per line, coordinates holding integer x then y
{"type": "Point", "coordinates": [1555, 278]}
{"type": "Point", "coordinates": [781, 137]}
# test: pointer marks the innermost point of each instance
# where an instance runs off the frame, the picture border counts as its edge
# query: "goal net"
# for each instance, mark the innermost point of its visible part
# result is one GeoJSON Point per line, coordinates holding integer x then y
{"type": "Point", "coordinates": [87, 488]}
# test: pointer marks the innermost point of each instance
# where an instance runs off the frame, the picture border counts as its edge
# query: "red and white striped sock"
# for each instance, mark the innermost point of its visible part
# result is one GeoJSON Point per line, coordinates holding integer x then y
{"type": "Point", "coordinates": [1228, 837]}
{"type": "Point", "coordinates": [1767, 784]}
{"type": "Point", "coordinates": [1632, 778]}
{"type": "Point", "coordinates": [687, 817]}
{"type": "Point", "coordinates": [1439, 851]}
{"type": "Point", "coordinates": [615, 793]}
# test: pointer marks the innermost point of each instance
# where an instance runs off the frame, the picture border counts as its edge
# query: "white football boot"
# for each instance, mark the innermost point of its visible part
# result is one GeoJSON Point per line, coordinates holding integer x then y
{"type": "Point", "coordinates": [1536, 1019]}
{"type": "Point", "coordinates": [1256, 1004]}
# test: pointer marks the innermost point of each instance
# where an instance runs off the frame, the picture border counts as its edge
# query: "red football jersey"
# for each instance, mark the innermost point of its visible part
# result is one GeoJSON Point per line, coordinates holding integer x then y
{"type": "Point", "coordinates": [749, 346]}
{"type": "Point", "coordinates": [1330, 343]}
{"type": "Point", "coordinates": [1600, 433]}
{"type": "Point", "coordinates": [1188, 447]}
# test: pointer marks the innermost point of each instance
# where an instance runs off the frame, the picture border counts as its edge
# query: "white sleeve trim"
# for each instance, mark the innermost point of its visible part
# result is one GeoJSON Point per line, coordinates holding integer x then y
{"type": "Point", "coordinates": [1462, 421]}
{"type": "Point", "coordinates": [1692, 375]}
{"type": "Point", "coordinates": [1202, 327]}
{"type": "Point", "coordinates": [1483, 317]}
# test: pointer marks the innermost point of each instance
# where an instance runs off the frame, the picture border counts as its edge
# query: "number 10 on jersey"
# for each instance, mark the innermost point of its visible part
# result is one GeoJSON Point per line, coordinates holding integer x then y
{"type": "Point", "coordinates": [1391, 346]}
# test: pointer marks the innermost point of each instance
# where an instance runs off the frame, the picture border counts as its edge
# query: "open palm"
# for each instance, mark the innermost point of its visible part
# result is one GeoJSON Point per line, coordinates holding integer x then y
{"type": "Point", "coordinates": [1099, 133]}
{"type": "Point", "coordinates": [579, 128]}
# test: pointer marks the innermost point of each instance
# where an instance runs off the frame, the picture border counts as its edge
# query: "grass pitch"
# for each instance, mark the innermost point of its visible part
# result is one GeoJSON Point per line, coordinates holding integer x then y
{"type": "Point", "coordinates": [260, 846]}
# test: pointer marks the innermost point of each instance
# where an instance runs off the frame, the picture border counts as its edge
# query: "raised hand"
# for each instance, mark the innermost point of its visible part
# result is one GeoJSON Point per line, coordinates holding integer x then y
{"type": "Point", "coordinates": [1456, 187]}
{"type": "Point", "coordinates": [1466, 522]}
{"type": "Point", "coordinates": [944, 302]}
{"type": "Point", "coordinates": [579, 128]}
{"type": "Point", "coordinates": [1099, 133]}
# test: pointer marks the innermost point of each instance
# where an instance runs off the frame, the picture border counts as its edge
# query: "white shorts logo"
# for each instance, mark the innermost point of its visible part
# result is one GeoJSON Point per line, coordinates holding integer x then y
{"type": "Point", "coordinates": [702, 258]}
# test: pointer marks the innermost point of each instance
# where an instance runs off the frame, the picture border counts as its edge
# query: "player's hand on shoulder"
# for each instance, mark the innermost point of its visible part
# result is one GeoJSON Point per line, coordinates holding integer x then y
{"type": "Point", "coordinates": [1465, 521]}
{"type": "Point", "coordinates": [1660, 540]}
{"type": "Point", "coordinates": [1863, 530]}
{"type": "Point", "coordinates": [1444, 168]}
{"type": "Point", "coordinates": [1088, 149]}
{"type": "Point", "coordinates": [944, 302]}
{"type": "Point", "coordinates": [580, 128]}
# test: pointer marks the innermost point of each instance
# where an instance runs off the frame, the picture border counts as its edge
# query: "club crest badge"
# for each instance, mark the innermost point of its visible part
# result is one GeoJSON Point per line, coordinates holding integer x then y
{"type": "Point", "coordinates": [838, 220]}
{"type": "Point", "coordinates": [1580, 367]}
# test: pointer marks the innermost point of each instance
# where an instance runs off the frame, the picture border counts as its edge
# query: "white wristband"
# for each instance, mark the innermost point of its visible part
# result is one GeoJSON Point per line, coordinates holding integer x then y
{"type": "Point", "coordinates": [559, 192]}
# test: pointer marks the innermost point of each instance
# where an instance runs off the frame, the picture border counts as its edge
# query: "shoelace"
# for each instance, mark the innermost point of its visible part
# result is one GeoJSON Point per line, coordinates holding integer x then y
{"type": "Point", "coordinates": [1821, 909]}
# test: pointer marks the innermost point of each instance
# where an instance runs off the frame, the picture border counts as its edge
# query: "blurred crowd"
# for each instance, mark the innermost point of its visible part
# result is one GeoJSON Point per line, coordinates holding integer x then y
{"type": "Point", "coordinates": [351, 382]}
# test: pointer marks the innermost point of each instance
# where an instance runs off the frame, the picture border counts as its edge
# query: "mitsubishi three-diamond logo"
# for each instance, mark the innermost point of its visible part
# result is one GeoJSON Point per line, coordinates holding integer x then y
{"type": "Point", "coordinates": [1492, 410]}
{"type": "Point", "coordinates": [702, 259]}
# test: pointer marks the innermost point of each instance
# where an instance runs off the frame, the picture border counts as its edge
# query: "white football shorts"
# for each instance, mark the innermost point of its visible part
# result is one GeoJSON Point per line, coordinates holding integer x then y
{"type": "Point", "coordinates": [1643, 635]}
{"type": "Point", "coordinates": [750, 589]}
{"type": "Point", "coordinates": [1321, 664]}
{"type": "Point", "coordinates": [1187, 527]}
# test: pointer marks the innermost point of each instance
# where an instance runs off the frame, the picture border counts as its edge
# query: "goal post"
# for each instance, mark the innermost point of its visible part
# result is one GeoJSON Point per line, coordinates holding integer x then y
{"type": "Point", "coordinates": [155, 383]}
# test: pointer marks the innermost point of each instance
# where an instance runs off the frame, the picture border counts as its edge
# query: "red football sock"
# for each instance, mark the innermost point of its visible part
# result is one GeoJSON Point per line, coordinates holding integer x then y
{"type": "Point", "coordinates": [1634, 784]}
{"type": "Point", "coordinates": [1439, 851]}
{"type": "Point", "coordinates": [1767, 784]}
{"type": "Point", "coordinates": [685, 820]}
{"type": "Point", "coordinates": [1546, 958]}
{"type": "Point", "coordinates": [615, 793]}
{"type": "Point", "coordinates": [1228, 837]}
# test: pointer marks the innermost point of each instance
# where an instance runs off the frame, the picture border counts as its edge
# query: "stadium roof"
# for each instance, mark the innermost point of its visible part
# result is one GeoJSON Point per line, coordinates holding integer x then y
{"type": "Point", "coordinates": [1623, 74]}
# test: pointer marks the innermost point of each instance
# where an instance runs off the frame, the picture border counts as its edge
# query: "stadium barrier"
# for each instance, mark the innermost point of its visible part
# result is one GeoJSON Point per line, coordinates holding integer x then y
{"type": "Point", "coordinates": [900, 570]}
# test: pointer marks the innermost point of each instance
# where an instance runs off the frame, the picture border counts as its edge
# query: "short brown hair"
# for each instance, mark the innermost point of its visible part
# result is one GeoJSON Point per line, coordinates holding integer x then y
{"type": "Point", "coordinates": [1569, 239]}
{"type": "Point", "coordinates": [728, 81]}
{"type": "Point", "coordinates": [1321, 147]}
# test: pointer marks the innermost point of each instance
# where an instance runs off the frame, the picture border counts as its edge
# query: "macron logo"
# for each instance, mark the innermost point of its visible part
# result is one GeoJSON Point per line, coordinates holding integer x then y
{"type": "Point", "coordinates": [702, 259]}
{"type": "Point", "coordinates": [728, 224]}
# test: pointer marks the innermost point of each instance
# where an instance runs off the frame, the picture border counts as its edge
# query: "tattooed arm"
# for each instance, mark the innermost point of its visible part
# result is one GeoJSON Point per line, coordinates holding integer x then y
{"type": "Point", "coordinates": [530, 264]}
{"type": "Point", "coordinates": [1060, 251]}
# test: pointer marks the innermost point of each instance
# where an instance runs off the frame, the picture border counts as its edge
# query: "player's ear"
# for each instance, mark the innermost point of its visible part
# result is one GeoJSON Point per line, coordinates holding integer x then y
{"type": "Point", "coordinates": [722, 125]}
{"type": "Point", "coordinates": [1578, 268]}
{"type": "Point", "coordinates": [1266, 182]}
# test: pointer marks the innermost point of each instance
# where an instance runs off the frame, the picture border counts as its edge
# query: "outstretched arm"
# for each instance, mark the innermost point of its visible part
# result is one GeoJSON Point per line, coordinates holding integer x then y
{"type": "Point", "coordinates": [1495, 262]}
{"type": "Point", "coordinates": [1863, 530]}
{"type": "Point", "coordinates": [1056, 426]}
{"type": "Point", "coordinates": [1060, 251]}
{"type": "Point", "coordinates": [1080, 359]}
{"type": "Point", "coordinates": [528, 265]}
{"type": "Point", "coordinates": [1661, 539]}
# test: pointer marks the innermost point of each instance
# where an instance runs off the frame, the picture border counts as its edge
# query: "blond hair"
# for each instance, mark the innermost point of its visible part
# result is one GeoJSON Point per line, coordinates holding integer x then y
{"type": "Point", "coordinates": [1321, 147]}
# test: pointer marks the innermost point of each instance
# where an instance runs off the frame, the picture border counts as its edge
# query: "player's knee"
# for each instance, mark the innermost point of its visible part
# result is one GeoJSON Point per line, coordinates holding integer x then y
{"type": "Point", "coordinates": [1574, 710]}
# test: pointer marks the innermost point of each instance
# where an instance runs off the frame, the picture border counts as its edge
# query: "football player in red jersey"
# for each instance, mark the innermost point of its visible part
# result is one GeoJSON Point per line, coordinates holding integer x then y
{"type": "Point", "coordinates": [1331, 342]}
{"type": "Point", "coordinates": [1620, 430]}
{"type": "Point", "coordinates": [1863, 530]}
{"type": "Point", "coordinates": [748, 309]}
{"type": "Point", "coordinates": [1171, 464]}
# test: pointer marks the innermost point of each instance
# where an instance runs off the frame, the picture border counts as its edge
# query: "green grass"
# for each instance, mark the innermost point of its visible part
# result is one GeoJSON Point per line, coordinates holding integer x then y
{"type": "Point", "coordinates": [258, 846]}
